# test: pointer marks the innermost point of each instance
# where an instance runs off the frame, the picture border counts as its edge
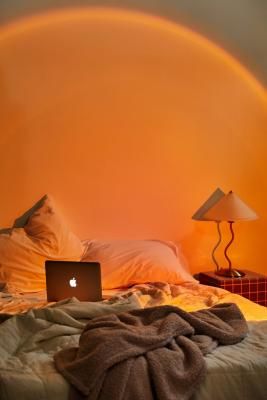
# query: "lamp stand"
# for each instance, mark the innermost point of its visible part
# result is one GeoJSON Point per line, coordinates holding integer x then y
{"type": "Point", "coordinates": [216, 246]}
{"type": "Point", "coordinates": [229, 272]}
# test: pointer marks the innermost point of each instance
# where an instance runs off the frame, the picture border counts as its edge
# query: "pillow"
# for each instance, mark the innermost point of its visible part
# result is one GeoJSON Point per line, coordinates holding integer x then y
{"type": "Point", "coordinates": [24, 251]}
{"type": "Point", "coordinates": [22, 220]}
{"type": "Point", "coordinates": [128, 262]}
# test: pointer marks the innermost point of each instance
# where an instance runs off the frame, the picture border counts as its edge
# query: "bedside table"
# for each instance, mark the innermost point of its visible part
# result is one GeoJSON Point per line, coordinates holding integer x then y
{"type": "Point", "coordinates": [253, 286]}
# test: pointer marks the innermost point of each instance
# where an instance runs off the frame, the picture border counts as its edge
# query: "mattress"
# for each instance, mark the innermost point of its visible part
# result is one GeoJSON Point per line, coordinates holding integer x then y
{"type": "Point", "coordinates": [30, 338]}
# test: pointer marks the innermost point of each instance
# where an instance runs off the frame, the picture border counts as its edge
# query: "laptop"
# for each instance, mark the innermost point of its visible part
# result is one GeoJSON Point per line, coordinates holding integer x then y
{"type": "Point", "coordinates": [66, 279]}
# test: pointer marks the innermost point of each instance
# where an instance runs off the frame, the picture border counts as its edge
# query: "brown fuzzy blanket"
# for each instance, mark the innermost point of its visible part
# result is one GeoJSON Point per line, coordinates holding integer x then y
{"type": "Point", "coordinates": [145, 354]}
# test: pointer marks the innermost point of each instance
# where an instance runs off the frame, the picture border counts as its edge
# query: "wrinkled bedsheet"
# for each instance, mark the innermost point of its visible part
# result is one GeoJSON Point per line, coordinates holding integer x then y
{"type": "Point", "coordinates": [29, 341]}
{"type": "Point", "coordinates": [190, 297]}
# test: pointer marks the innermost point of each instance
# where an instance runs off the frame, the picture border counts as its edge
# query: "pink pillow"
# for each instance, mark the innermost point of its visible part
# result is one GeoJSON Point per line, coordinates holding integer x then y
{"type": "Point", "coordinates": [23, 251]}
{"type": "Point", "coordinates": [128, 262]}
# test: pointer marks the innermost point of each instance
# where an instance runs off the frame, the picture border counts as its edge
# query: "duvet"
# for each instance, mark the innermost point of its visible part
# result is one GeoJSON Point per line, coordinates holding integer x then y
{"type": "Point", "coordinates": [29, 341]}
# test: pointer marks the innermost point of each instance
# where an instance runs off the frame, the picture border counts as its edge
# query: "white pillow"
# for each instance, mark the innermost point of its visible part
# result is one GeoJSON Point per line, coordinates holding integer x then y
{"type": "Point", "coordinates": [24, 251]}
{"type": "Point", "coordinates": [128, 262]}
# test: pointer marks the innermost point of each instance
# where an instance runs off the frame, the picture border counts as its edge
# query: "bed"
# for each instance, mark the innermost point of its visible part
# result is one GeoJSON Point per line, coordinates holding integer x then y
{"type": "Point", "coordinates": [136, 275]}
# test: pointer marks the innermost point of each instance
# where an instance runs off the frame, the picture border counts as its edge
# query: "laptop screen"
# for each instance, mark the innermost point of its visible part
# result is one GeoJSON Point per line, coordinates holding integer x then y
{"type": "Point", "coordinates": [65, 279]}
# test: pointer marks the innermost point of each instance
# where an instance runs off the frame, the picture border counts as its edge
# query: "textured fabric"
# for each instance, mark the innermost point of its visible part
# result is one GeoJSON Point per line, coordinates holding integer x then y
{"type": "Point", "coordinates": [128, 262]}
{"type": "Point", "coordinates": [155, 353]}
{"type": "Point", "coordinates": [27, 346]}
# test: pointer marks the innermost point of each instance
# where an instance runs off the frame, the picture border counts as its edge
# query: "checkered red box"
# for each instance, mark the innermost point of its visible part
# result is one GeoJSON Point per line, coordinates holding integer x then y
{"type": "Point", "coordinates": [252, 285]}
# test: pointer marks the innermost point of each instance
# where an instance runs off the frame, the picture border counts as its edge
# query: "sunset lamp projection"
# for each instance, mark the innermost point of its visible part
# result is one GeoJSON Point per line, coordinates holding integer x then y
{"type": "Point", "coordinates": [230, 208]}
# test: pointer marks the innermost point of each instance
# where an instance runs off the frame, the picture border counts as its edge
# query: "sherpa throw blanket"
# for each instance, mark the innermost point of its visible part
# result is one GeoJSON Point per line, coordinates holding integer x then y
{"type": "Point", "coordinates": [145, 354]}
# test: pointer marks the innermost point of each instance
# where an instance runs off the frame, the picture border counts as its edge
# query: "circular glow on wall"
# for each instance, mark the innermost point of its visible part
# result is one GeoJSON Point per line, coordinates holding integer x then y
{"type": "Point", "coordinates": [102, 15]}
{"type": "Point", "coordinates": [146, 114]}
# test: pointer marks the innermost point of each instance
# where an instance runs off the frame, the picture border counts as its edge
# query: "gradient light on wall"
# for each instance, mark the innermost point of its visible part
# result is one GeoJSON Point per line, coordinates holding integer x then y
{"type": "Point", "coordinates": [129, 121]}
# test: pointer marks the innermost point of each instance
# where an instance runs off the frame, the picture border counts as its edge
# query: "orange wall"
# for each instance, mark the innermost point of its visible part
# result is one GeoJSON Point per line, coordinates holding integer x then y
{"type": "Point", "coordinates": [130, 122]}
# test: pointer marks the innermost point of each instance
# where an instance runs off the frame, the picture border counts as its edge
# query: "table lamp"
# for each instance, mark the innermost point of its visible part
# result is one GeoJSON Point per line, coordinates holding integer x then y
{"type": "Point", "coordinates": [230, 208]}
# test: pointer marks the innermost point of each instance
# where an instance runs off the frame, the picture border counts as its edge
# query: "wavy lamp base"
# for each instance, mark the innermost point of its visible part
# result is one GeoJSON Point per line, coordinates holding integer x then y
{"type": "Point", "coordinates": [230, 272]}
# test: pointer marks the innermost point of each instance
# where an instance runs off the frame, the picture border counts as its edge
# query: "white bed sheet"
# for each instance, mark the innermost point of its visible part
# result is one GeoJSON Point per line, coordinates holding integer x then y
{"type": "Point", "coordinates": [19, 303]}
{"type": "Point", "coordinates": [190, 297]}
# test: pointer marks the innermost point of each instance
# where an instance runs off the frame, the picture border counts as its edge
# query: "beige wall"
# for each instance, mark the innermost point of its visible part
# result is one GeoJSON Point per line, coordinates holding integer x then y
{"type": "Point", "coordinates": [130, 122]}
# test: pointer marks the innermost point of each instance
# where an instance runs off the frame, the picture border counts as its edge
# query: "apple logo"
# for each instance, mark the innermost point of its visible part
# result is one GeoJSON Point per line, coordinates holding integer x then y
{"type": "Point", "coordinates": [73, 282]}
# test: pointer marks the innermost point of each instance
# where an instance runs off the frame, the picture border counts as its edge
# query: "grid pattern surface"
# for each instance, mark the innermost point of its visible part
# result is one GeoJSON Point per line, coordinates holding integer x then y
{"type": "Point", "coordinates": [253, 286]}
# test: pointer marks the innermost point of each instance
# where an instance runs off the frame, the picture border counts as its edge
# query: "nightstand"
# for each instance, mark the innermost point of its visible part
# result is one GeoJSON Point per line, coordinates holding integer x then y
{"type": "Point", "coordinates": [253, 286]}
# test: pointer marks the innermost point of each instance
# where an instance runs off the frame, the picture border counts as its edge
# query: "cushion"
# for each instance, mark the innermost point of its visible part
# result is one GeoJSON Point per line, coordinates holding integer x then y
{"type": "Point", "coordinates": [129, 262]}
{"type": "Point", "coordinates": [24, 251]}
{"type": "Point", "coordinates": [22, 220]}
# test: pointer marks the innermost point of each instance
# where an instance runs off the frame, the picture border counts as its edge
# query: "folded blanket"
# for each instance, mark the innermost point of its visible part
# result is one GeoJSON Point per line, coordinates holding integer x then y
{"type": "Point", "coordinates": [145, 354]}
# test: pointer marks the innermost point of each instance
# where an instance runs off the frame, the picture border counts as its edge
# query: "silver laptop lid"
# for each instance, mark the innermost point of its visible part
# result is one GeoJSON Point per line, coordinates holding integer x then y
{"type": "Point", "coordinates": [66, 279]}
